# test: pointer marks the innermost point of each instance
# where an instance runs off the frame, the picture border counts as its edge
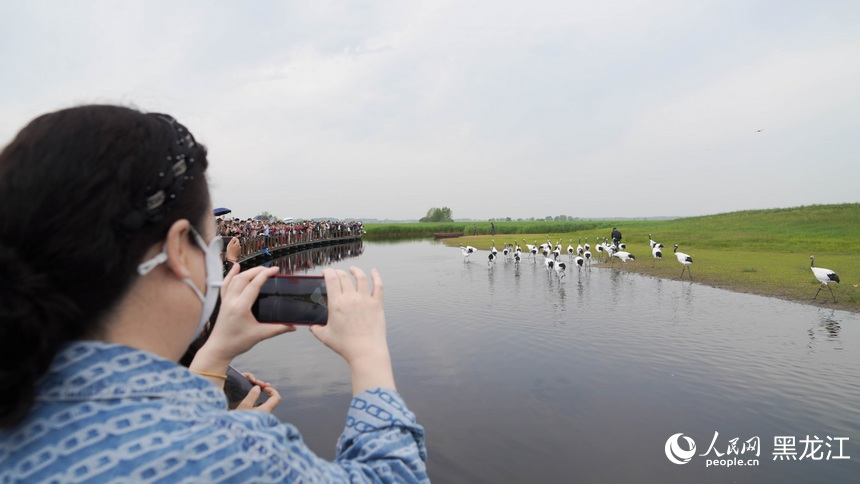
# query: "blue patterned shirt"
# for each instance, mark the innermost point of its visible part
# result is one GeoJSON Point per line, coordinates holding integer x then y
{"type": "Point", "coordinates": [106, 412]}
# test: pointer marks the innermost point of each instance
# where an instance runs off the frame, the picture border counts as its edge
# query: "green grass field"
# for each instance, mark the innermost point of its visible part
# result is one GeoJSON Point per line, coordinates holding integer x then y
{"type": "Point", "coordinates": [762, 252]}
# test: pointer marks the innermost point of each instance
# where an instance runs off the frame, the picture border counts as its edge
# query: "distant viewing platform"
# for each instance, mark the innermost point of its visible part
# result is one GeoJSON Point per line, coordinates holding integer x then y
{"type": "Point", "coordinates": [261, 240]}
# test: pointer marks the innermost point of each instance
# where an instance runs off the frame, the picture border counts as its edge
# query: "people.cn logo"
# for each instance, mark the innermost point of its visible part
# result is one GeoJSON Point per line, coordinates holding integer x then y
{"type": "Point", "coordinates": [675, 453]}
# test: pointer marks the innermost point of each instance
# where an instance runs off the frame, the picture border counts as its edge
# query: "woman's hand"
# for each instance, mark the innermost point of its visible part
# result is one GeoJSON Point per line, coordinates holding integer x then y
{"type": "Point", "coordinates": [356, 327]}
{"type": "Point", "coordinates": [259, 386]}
{"type": "Point", "coordinates": [237, 330]}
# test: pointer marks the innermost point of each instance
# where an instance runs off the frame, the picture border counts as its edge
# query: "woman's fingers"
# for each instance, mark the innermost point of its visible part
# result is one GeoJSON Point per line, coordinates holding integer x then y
{"type": "Point", "coordinates": [250, 399]}
{"type": "Point", "coordinates": [238, 281]}
{"type": "Point", "coordinates": [273, 401]}
{"type": "Point", "coordinates": [250, 292]}
{"type": "Point", "coordinates": [228, 279]}
{"type": "Point", "coordinates": [332, 281]}
{"type": "Point", "coordinates": [346, 284]}
{"type": "Point", "coordinates": [377, 284]}
{"type": "Point", "coordinates": [361, 284]}
{"type": "Point", "coordinates": [319, 331]}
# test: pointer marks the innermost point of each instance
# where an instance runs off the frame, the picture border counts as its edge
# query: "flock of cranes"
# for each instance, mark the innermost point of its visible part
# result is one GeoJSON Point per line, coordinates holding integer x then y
{"type": "Point", "coordinates": [581, 257]}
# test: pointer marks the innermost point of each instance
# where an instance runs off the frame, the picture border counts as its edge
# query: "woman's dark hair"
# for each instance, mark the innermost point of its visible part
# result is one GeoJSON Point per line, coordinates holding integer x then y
{"type": "Point", "coordinates": [84, 193]}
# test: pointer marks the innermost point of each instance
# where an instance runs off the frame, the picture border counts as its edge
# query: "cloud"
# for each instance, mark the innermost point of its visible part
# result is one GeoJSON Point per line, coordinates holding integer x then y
{"type": "Point", "coordinates": [492, 108]}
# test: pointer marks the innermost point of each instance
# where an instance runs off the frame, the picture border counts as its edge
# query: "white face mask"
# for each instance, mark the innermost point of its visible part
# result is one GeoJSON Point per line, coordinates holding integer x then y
{"type": "Point", "coordinates": [214, 275]}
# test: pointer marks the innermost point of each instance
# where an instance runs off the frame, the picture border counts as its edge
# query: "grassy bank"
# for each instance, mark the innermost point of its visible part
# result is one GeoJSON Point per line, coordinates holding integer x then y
{"type": "Point", "coordinates": [428, 229]}
{"type": "Point", "coordinates": [762, 252]}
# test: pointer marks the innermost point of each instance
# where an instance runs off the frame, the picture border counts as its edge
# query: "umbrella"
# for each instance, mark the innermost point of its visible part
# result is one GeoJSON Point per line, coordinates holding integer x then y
{"type": "Point", "coordinates": [288, 219]}
{"type": "Point", "coordinates": [261, 217]}
{"type": "Point", "coordinates": [221, 211]}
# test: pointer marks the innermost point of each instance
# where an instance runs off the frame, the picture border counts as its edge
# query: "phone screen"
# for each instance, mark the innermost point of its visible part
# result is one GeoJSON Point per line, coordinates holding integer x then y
{"type": "Point", "coordinates": [292, 299]}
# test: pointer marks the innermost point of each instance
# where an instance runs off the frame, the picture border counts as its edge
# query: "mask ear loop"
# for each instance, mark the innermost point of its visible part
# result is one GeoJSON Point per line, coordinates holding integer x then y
{"type": "Point", "coordinates": [146, 267]}
{"type": "Point", "coordinates": [215, 246]}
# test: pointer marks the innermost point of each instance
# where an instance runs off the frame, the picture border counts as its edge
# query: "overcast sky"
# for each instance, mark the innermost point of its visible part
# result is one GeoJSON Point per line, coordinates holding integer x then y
{"type": "Point", "coordinates": [383, 109]}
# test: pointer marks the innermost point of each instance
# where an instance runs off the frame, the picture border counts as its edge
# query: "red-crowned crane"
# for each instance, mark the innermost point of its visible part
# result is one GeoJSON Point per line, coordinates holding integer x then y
{"type": "Point", "coordinates": [824, 276]}
{"type": "Point", "coordinates": [546, 250]}
{"type": "Point", "coordinates": [549, 263]}
{"type": "Point", "coordinates": [657, 254]}
{"type": "Point", "coordinates": [685, 260]}
{"type": "Point", "coordinates": [579, 262]}
{"type": "Point", "coordinates": [467, 250]}
{"type": "Point", "coordinates": [559, 270]}
{"type": "Point", "coordinates": [624, 256]}
{"type": "Point", "coordinates": [533, 250]}
{"type": "Point", "coordinates": [654, 244]}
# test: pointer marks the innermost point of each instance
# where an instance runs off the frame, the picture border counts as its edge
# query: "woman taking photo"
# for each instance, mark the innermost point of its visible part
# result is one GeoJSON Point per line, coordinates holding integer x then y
{"type": "Point", "coordinates": [109, 269]}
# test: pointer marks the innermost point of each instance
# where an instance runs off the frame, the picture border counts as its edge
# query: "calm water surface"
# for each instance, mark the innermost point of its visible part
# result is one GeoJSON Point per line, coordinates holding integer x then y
{"type": "Point", "coordinates": [518, 377]}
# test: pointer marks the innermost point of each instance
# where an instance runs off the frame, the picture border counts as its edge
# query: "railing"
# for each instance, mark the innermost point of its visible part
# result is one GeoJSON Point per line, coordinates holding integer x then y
{"type": "Point", "coordinates": [257, 246]}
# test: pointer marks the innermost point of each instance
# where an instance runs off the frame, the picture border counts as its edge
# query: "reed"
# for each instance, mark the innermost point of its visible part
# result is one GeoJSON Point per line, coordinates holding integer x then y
{"type": "Point", "coordinates": [467, 228]}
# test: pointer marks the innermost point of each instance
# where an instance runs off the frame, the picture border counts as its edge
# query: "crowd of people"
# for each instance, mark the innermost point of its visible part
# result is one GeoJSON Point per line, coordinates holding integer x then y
{"type": "Point", "coordinates": [256, 236]}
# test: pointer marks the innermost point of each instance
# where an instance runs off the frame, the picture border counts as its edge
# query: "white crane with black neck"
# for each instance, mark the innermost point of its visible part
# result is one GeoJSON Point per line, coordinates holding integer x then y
{"type": "Point", "coordinates": [579, 262]}
{"type": "Point", "coordinates": [685, 260]}
{"type": "Point", "coordinates": [601, 249]}
{"type": "Point", "coordinates": [824, 276]}
{"type": "Point", "coordinates": [533, 249]}
{"type": "Point", "coordinates": [654, 244]}
{"type": "Point", "coordinates": [624, 256]}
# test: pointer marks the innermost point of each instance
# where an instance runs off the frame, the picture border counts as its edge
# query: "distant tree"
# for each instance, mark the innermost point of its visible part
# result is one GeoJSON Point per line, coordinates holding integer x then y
{"type": "Point", "coordinates": [436, 214]}
{"type": "Point", "coordinates": [507, 219]}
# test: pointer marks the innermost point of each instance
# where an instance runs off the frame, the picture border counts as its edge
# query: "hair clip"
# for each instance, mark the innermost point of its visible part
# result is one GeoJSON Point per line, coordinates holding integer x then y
{"type": "Point", "coordinates": [156, 200]}
{"type": "Point", "coordinates": [180, 167]}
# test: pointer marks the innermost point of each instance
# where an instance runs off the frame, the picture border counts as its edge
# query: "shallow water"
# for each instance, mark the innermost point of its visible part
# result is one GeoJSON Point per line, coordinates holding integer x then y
{"type": "Point", "coordinates": [518, 377]}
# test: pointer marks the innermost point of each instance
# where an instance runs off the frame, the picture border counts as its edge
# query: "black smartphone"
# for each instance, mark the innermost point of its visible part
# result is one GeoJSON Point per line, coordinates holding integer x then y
{"type": "Point", "coordinates": [292, 299]}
